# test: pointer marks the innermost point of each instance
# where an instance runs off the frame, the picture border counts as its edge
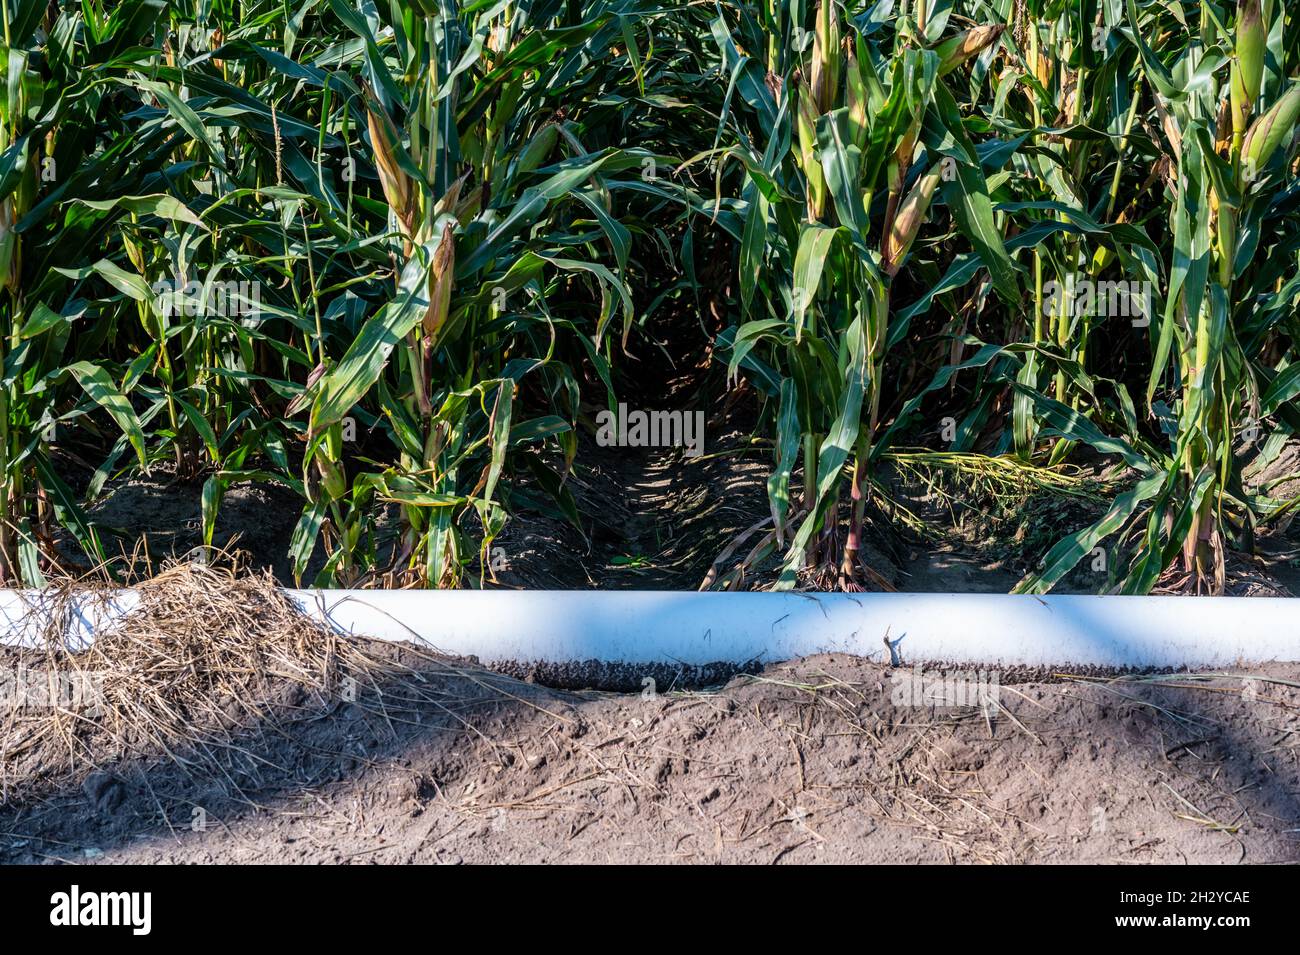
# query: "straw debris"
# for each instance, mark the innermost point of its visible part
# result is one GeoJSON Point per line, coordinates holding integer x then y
{"type": "Point", "coordinates": [208, 661]}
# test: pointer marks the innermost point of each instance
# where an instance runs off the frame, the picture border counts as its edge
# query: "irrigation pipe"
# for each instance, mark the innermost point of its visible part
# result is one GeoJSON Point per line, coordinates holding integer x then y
{"type": "Point", "coordinates": [640, 628]}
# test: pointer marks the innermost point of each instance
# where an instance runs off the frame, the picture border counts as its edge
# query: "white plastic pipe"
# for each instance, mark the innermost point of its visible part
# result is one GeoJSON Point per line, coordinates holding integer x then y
{"type": "Point", "coordinates": [693, 629]}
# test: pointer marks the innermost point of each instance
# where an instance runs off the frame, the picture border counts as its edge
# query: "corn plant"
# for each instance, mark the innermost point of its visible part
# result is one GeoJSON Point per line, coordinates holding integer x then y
{"type": "Point", "coordinates": [504, 238]}
{"type": "Point", "coordinates": [836, 197]}
{"type": "Point", "coordinates": [384, 255]}
{"type": "Point", "coordinates": [1228, 124]}
{"type": "Point", "coordinates": [53, 329]}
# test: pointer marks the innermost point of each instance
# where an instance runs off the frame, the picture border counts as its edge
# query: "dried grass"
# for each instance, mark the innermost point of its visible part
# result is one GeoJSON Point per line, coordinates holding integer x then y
{"type": "Point", "coordinates": [208, 661]}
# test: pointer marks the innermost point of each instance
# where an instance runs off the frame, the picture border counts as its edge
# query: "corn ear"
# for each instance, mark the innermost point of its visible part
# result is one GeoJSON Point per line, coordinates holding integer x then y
{"type": "Point", "coordinates": [538, 149]}
{"type": "Point", "coordinates": [1247, 72]}
{"type": "Point", "coordinates": [8, 242]}
{"type": "Point", "coordinates": [1271, 130]}
{"type": "Point", "coordinates": [907, 222]}
{"type": "Point", "coordinates": [329, 452]}
{"type": "Point", "coordinates": [397, 185]}
{"type": "Point", "coordinates": [812, 168]}
{"type": "Point", "coordinates": [442, 279]}
{"type": "Point", "coordinates": [956, 50]}
{"type": "Point", "coordinates": [1252, 38]}
{"type": "Point", "coordinates": [856, 92]}
{"type": "Point", "coordinates": [901, 160]}
{"type": "Point", "coordinates": [824, 79]}
{"type": "Point", "coordinates": [333, 478]}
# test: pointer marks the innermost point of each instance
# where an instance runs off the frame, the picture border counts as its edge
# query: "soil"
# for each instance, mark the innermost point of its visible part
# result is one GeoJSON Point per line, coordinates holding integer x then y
{"type": "Point", "coordinates": [815, 760]}
{"type": "Point", "coordinates": [655, 519]}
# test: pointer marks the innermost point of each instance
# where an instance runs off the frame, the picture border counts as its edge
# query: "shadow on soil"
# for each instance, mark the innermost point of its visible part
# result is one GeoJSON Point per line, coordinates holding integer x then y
{"type": "Point", "coordinates": [809, 761]}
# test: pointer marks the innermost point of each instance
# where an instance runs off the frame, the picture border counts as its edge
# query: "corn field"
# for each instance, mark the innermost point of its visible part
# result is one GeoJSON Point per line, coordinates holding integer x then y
{"type": "Point", "coordinates": [233, 236]}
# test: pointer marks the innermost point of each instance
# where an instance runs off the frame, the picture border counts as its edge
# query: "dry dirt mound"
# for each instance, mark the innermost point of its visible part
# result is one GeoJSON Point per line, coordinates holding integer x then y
{"type": "Point", "coordinates": [815, 760]}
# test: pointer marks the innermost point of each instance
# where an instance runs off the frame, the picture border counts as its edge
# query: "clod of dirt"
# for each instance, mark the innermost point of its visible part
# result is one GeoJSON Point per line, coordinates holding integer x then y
{"type": "Point", "coordinates": [104, 790]}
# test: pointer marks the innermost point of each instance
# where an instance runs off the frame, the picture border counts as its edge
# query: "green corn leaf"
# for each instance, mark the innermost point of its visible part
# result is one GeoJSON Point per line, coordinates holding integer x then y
{"type": "Point", "coordinates": [99, 387]}
{"type": "Point", "coordinates": [1071, 549]}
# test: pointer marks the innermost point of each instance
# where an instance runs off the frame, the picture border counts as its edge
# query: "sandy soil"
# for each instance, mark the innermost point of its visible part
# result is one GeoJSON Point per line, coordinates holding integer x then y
{"type": "Point", "coordinates": [818, 760]}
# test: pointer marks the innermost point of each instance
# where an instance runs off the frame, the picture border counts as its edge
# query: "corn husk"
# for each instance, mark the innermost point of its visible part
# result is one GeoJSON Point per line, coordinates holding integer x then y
{"type": "Point", "coordinates": [856, 93]}
{"type": "Point", "coordinates": [956, 50]}
{"type": "Point", "coordinates": [538, 149]}
{"type": "Point", "coordinates": [824, 78]}
{"type": "Point", "coordinates": [1272, 129]}
{"type": "Point", "coordinates": [442, 280]}
{"type": "Point", "coordinates": [907, 221]}
{"type": "Point", "coordinates": [1252, 40]}
{"type": "Point", "coordinates": [8, 241]}
{"type": "Point", "coordinates": [398, 187]}
{"type": "Point", "coordinates": [901, 160]}
{"type": "Point", "coordinates": [1247, 71]}
{"type": "Point", "coordinates": [806, 121]}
